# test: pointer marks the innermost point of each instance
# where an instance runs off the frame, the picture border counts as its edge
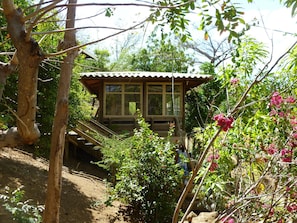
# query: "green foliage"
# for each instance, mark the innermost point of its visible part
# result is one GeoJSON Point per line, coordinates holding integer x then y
{"type": "Point", "coordinates": [249, 54]}
{"type": "Point", "coordinates": [49, 74]}
{"type": "Point", "coordinates": [48, 78]}
{"type": "Point", "coordinates": [115, 150]}
{"type": "Point", "coordinates": [100, 63]}
{"type": "Point", "coordinates": [222, 92]}
{"type": "Point", "coordinates": [147, 177]}
{"type": "Point", "coordinates": [202, 102]}
{"type": "Point", "coordinates": [227, 18]}
{"type": "Point", "coordinates": [175, 17]}
{"type": "Point", "coordinates": [161, 55]}
{"type": "Point", "coordinates": [290, 3]}
{"type": "Point", "coordinates": [22, 211]}
{"type": "Point", "coordinates": [6, 44]}
{"type": "Point", "coordinates": [79, 101]}
{"type": "Point", "coordinates": [250, 170]}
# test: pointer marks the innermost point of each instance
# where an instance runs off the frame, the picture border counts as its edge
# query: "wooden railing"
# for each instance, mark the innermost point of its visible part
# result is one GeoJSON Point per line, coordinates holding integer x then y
{"type": "Point", "coordinates": [88, 136]}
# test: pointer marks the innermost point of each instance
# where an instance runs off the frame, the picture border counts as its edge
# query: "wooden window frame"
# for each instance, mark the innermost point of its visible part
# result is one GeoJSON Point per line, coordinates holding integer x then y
{"type": "Point", "coordinates": [164, 94]}
{"type": "Point", "coordinates": [123, 93]}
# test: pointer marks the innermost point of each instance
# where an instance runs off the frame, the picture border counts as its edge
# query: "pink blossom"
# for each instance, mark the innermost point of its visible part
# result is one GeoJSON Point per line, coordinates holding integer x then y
{"type": "Point", "coordinates": [286, 155]}
{"type": "Point", "coordinates": [228, 220]}
{"type": "Point", "coordinates": [290, 99]}
{"type": "Point", "coordinates": [293, 121]}
{"type": "Point", "coordinates": [271, 212]}
{"type": "Point", "coordinates": [292, 207]}
{"type": "Point", "coordinates": [292, 144]}
{"type": "Point", "coordinates": [271, 149]}
{"type": "Point", "coordinates": [282, 114]}
{"type": "Point", "coordinates": [276, 100]}
{"type": "Point", "coordinates": [213, 166]}
{"type": "Point", "coordinates": [234, 81]}
{"type": "Point", "coordinates": [212, 157]}
{"type": "Point", "coordinates": [273, 112]}
{"type": "Point", "coordinates": [224, 122]}
{"type": "Point", "coordinates": [293, 141]}
{"type": "Point", "coordinates": [288, 189]}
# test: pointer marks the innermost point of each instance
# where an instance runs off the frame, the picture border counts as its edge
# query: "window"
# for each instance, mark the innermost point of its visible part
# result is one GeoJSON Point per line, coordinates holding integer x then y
{"type": "Point", "coordinates": [163, 99]}
{"type": "Point", "coordinates": [122, 99]}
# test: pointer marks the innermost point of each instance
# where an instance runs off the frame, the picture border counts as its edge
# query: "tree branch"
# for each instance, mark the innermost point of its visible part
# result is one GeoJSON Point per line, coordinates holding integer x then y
{"type": "Point", "coordinates": [78, 28]}
{"type": "Point", "coordinates": [95, 41]}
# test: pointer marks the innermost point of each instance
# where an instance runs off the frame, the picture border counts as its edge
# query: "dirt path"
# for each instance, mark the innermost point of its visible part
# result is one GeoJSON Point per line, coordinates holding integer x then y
{"type": "Point", "coordinates": [83, 195]}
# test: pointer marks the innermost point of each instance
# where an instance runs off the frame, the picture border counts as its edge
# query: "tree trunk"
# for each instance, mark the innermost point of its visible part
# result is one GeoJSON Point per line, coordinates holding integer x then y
{"type": "Point", "coordinates": [53, 196]}
{"type": "Point", "coordinates": [29, 57]}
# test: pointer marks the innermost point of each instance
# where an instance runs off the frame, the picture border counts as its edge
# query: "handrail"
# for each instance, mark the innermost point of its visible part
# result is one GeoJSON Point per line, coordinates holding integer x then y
{"type": "Point", "coordinates": [104, 128]}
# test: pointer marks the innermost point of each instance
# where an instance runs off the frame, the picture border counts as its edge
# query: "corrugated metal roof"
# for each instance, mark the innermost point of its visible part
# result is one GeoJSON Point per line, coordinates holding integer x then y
{"type": "Point", "coordinates": [141, 74]}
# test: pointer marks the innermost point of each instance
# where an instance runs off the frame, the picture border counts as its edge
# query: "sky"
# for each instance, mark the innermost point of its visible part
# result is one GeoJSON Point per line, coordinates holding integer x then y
{"type": "Point", "coordinates": [274, 24]}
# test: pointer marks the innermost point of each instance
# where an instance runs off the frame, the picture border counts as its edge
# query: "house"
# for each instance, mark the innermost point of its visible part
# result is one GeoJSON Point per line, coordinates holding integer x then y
{"type": "Point", "coordinates": [158, 95]}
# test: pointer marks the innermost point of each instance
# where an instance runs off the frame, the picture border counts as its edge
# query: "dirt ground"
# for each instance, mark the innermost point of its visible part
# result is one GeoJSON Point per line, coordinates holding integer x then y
{"type": "Point", "coordinates": [83, 194]}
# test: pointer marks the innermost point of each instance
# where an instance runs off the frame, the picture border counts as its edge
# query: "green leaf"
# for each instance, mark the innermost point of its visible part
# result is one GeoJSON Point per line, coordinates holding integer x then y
{"type": "Point", "coordinates": [108, 12]}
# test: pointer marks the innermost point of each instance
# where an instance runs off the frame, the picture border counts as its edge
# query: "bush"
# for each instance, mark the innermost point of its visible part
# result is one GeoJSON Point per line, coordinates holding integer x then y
{"type": "Point", "coordinates": [146, 175]}
{"type": "Point", "coordinates": [22, 211]}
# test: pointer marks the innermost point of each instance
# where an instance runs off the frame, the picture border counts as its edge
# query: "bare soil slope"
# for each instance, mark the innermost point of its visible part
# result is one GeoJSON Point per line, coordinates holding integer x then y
{"type": "Point", "coordinates": [83, 195]}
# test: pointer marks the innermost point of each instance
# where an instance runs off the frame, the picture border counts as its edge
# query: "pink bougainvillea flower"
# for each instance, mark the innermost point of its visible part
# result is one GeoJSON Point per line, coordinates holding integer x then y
{"type": "Point", "coordinates": [228, 220]}
{"type": "Point", "coordinates": [293, 141]}
{"type": "Point", "coordinates": [234, 81]}
{"type": "Point", "coordinates": [213, 166]}
{"type": "Point", "coordinates": [293, 121]}
{"type": "Point", "coordinates": [288, 189]}
{"type": "Point", "coordinates": [282, 114]}
{"type": "Point", "coordinates": [271, 212]}
{"type": "Point", "coordinates": [224, 122]}
{"type": "Point", "coordinates": [276, 100]}
{"type": "Point", "coordinates": [212, 157]}
{"type": "Point", "coordinates": [292, 207]}
{"type": "Point", "coordinates": [290, 99]}
{"type": "Point", "coordinates": [273, 112]}
{"type": "Point", "coordinates": [292, 144]}
{"type": "Point", "coordinates": [271, 149]}
{"type": "Point", "coordinates": [286, 155]}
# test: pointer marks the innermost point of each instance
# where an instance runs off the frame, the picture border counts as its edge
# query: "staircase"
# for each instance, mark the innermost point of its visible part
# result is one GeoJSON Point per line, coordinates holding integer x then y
{"type": "Point", "coordinates": [88, 136]}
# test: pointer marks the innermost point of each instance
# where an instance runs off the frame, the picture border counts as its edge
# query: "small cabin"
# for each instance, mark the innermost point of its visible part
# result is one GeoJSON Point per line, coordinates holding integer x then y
{"type": "Point", "coordinates": [159, 96]}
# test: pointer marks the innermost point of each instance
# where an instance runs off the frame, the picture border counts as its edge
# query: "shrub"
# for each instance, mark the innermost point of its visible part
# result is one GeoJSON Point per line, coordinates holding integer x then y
{"type": "Point", "coordinates": [147, 177]}
{"type": "Point", "coordinates": [22, 211]}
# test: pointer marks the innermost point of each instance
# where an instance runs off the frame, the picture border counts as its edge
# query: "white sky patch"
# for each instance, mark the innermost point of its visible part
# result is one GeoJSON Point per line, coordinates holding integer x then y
{"type": "Point", "coordinates": [274, 27]}
{"type": "Point", "coordinates": [122, 17]}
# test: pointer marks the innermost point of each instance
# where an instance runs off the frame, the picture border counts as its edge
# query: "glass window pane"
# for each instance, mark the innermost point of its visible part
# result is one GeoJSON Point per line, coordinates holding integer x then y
{"type": "Point", "coordinates": [113, 104]}
{"type": "Point", "coordinates": [154, 104]}
{"type": "Point", "coordinates": [177, 88]}
{"type": "Point", "coordinates": [132, 88]}
{"type": "Point", "coordinates": [172, 104]}
{"type": "Point", "coordinates": [113, 88]}
{"type": "Point", "coordinates": [132, 103]}
{"type": "Point", "coordinates": [155, 88]}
